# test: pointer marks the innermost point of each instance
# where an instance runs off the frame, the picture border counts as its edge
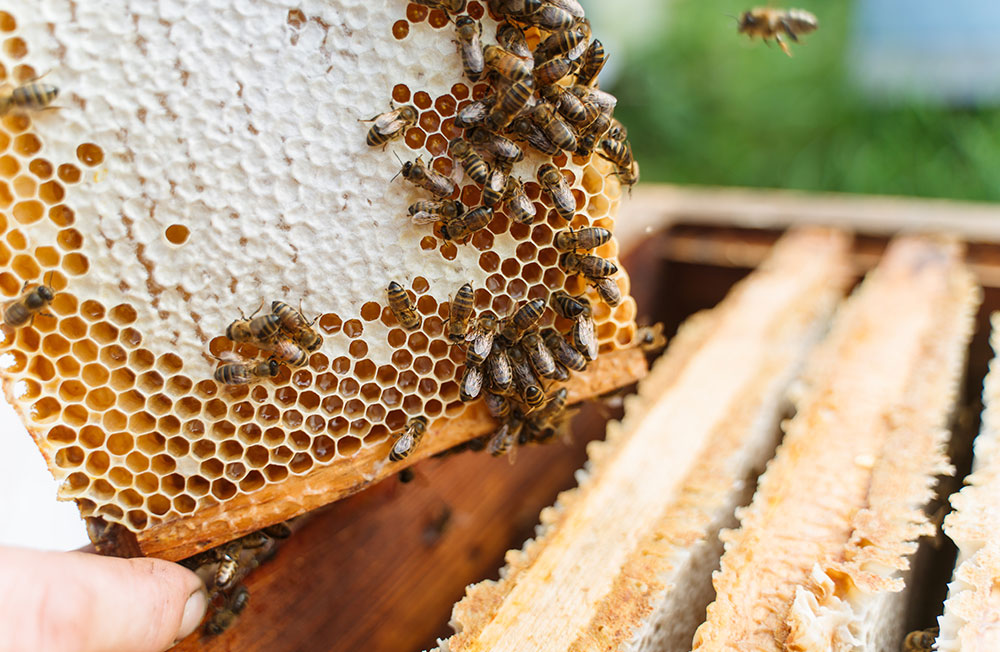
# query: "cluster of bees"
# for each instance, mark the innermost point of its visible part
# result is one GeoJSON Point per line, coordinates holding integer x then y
{"type": "Point", "coordinates": [224, 568]}
{"type": "Point", "coordinates": [284, 333]}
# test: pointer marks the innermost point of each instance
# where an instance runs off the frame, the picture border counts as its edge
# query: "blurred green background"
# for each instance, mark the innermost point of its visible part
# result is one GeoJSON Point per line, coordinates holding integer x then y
{"type": "Point", "coordinates": [704, 105]}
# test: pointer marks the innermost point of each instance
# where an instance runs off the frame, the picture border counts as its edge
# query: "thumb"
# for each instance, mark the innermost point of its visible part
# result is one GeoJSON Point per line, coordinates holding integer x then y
{"type": "Point", "coordinates": [76, 602]}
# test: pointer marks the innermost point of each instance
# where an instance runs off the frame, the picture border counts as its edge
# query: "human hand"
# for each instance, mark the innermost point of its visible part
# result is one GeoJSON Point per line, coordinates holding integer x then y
{"type": "Point", "coordinates": [77, 602]}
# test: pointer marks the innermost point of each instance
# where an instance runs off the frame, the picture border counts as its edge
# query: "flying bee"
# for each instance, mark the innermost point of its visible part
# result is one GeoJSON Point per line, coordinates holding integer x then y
{"type": "Point", "coordinates": [617, 131]}
{"type": "Point", "coordinates": [567, 306]}
{"type": "Point", "coordinates": [593, 61]}
{"type": "Point", "coordinates": [568, 105]}
{"type": "Point", "coordinates": [651, 338]}
{"type": "Point", "coordinates": [224, 618]}
{"type": "Point", "coordinates": [423, 177]}
{"type": "Point", "coordinates": [474, 113]}
{"type": "Point", "coordinates": [495, 186]}
{"type": "Point", "coordinates": [30, 96]}
{"type": "Point", "coordinates": [504, 440]}
{"type": "Point", "coordinates": [471, 385]}
{"type": "Point", "coordinates": [539, 356]}
{"type": "Point", "coordinates": [608, 290]}
{"type": "Point", "coordinates": [553, 182]}
{"type": "Point", "coordinates": [390, 125]}
{"type": "Point", "coordinates": [450, 6]}
{"type": "Point", "coordinates": [470, 160]}
{"type": "Point", "coordinates": [511, 38]}
{"type": "Point", "coordinates": [402, 307]}
{"type": "Point", "coordinates": [563, 352]}
{"type": "Point", "coordinates": [255, 330]}
{"type": "Point", "coordinates": [469, 32]}
{"type": "Point", "coordinates": [551, 18]}
{"type": "Point", "coordinates": [497, 404]}
{"type": "Point", "coordinates": [524, 129]}
{"type": "Point", "coordinates": [529, 390]}
{"type": "Point", "coordinates": [586, 238]}
{"type": "Point", "coordinates": [500, 374]}
{"type": "Point", "coordinates": [462, 307]}
{"type": "Point", "coordinates": [295, 325]}
{"type": "Point", "coordinates": [242, 373]}
{"type": "Point", "coordinates": [618, 152]}
{"type": "Point", "coordinates": [921, 640]}
{"type": "Point", "coordinates": [506, 64]}
{"type": "Point", "coordinates": [558, 44]}
{"type": "Point", "coordinates": [480, 340]}
{"type": "Point", "coordinates": [408, 440]}
{"type": "Point", "coordinates": [520, 207]}
{"type": "Point", "coordinates": [428, 211]}
{"type": "Point", "coordinates": [22, 310]}
{"type": "Point", "coordinates": [584, 338]}
{"type": "Point", "coordinates": [553, 70]}
{"type": "Point", "coordinates": [770, 23]}
{"type": "Point", "coordinates": [509, 104]}
{"type": "Point", "coordinates": [523, 319]}
{"type": "Point", "coordinates": [498, 146]}
{"type": "Point", "coordinates": [467, 224]}
{"type": "Point", "coordinates": [593, 267]}
{"type": "Point", "coordinates": [553, 127]}
{"type": "Point", "coordinates": [229, 564]}
{"type": "Point", "coordinates": [288, 352]}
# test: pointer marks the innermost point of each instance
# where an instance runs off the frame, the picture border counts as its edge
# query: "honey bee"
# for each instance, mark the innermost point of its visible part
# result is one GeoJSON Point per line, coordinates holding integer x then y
{"type": "Point", "coordinates": [553, 182]}
{"type": "Point", "coordinates": [568, 105]}
{"type": "Point", "coordinates": [568, 307]}
{"type": "Point", "coordinates": [504, 440]}
{"type": "Point", "coordinates": [523, 319]}
{"type": "Point", "coordinates": [651, 338]}
{"type": "Point", "coordinates": [524, 129]}
{"type": "Point", "coordinates": [511, 38]}
{"type": "Point", "coordinates": [498, 146]}
{"type": "Point", "coordinates": [423, 177]}
{"type": "Point", "coordinates": [289, 352]}
{"type": "Point", "coordinates": [558, 44]}
{"type": "Point", "coordinates": [497, 404]}
{"type": "Point", "coordinates": [617, 131]}
{"type": "Point", "coordinates": [501, 375]}
{"type": "Point", "coordinates": [241, 373]}
{"type": "Point", "coordinates": [593, 134]}
{"type": "Point", "coordinates": [604, 100]}
{"type": "Point", "coordinates": [553, 127]}
{"type": "Point", "coordinates": [539, 356]}
{"type": "Point", "coordinates": [629, 176]}
{"type": "Point", "coordinates": [586, 239]}
{"type": "Point", "coordinates": [278, 531]}
{"type": "Point", "coordinates": [549, 414]}
{"type": "Point", "coordinates": [474, 113]}
{"type": "Point", "coordinates": [467, 224]}
{"type": "Point", "coordinates": [224, 618]}
{"type": "Point", "coordinates": [229, 564]}
{"type": "Point", "coordinates": [593, 61]}
{"type": "Point", "coordinates": [563, 352]}
{"type": "Point", "coordinates": [450, 6]}
{"type": "Point", "coordinates": [22, 310]}
{"type": "Point", "coordinates": [402, 307]}
{"type": "Point", "coordinates": [570, 6]}
{"type": "Point", "coordinates": [462, 307]}
{"type": "Point", "coordinates": [408, 440]}
{"type": "Point", "coordinates": [495, 186]}
{"type": "Point", "coordinates": [584, 338]}
{"type": "Point", "coordinates": [618, 152]}
{"type": "Point", "coordinates": [254, 330]}
{"type": "Point", "coordinates": [390, 125]}
{"type": "Point", "coordinates": [553, 70]}
{"type": "Point", "coordinates": [527, 385]}
{"type": "Point", "coordinates": [471, 385]}
{"type": "Point", "coordinates": [509, 104]}
{"type": "Point", "coordinates": [593, 267]}
{"type": "Point", "coordinates": [469, 32]}
{"type": "Point", "coordinates": [480, 340]}
{"type": "Point", "coordinates": [608, 291]}
{"type": "Point", "coordinates": [551, 18]}
{"type": "Point", "coordinates": [921, 640]}
{"type": "Point", "coordinates": [560, 374]}
{"type": "Point", "coordinates": [428, 211]}
{"type": "Point", "coordinates": [294, 324]}
{"type": "Point", "coordinates": [520, 207]}
{"type": "Point", "coordinates": [32, 95]}
{"type": "Point", "coordinates": [770, 23]}
{"type": "Point", "coordinates": [506, 64]}
{"type": "Point", "coordinates": [470, 160]}
{"type": "Point", "coordinates": [515, 8]}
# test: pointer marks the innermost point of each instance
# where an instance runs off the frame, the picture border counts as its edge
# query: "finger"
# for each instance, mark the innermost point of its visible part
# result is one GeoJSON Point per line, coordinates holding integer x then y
{"type": "Point", "coordinates": [76, 602]}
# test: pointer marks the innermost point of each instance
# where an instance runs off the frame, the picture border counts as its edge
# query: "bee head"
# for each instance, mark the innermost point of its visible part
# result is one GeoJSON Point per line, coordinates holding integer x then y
{"type": "Point", "coordinates": [45, 292]}
{"type": "Point", "coordinates": [746, 21]}
{"type": "Point", "coordinates": [272, 367]}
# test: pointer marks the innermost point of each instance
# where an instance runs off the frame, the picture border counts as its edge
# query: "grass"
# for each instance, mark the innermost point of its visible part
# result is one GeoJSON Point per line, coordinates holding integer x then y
{"type": "Point", "coordinates": [706, 106]}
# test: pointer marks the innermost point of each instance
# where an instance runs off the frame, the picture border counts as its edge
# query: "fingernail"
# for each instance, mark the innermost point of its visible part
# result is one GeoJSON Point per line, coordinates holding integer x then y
{"type": "Point", "coordinates": [194, 611]}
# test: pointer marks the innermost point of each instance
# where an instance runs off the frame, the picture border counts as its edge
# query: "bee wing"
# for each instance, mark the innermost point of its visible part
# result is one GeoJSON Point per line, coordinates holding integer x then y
{"type": "Point", "coordinates": [512, 453]}
{"type": "Point", "coordinates": [385, 121]}
{"type": "Point", "coordinates": [229, 356]}
{"type": "Point", "coordinates": [421, 218]}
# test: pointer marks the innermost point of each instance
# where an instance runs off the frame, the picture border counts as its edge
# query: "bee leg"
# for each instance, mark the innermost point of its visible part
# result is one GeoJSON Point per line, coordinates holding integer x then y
{"type": "Point", "coordinates": [784, 46]}
{"type": "Point", "coordinates": [788, 30]}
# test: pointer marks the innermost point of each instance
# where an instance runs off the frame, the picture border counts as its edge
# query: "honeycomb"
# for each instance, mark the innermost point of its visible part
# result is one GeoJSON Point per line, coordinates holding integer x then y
{"type": "Point", "coordinates": [164, 195]}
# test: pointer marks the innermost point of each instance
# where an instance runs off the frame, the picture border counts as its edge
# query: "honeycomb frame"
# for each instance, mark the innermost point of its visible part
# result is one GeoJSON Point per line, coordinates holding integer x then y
{"type": "Point", "coordinates": [116, 383]}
